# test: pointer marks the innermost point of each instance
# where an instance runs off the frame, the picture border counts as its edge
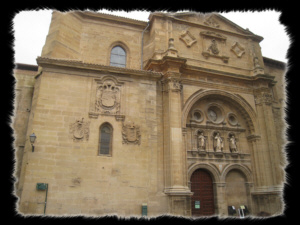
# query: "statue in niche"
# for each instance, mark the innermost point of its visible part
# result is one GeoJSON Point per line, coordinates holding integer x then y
{"type": "Point", "coordinates": [218, 143]}
{"type": "Point", "coordinates": [201, 141]}
{"type": "Point", "coordinates": [213, 47]}
{"type": "Point", "coordinates": [232, 143]}
{"type": "Point", "coordinates": [256, 62]}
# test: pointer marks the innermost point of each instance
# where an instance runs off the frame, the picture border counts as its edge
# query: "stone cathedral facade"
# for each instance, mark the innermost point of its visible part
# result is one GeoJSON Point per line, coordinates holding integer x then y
{"type": "Point", "coordinates": [180, 115]}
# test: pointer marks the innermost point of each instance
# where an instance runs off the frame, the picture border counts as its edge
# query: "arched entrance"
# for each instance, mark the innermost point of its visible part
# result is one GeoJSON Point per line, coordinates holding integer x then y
{"type": "Point", "coordinates": [203, 197]}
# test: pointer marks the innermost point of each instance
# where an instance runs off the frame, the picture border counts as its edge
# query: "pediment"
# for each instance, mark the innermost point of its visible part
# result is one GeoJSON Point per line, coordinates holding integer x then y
{"type": "Point", "coordinates": [214, 20]}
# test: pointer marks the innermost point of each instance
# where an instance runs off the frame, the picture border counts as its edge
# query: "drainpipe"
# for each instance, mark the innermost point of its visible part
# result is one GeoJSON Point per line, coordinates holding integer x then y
{"type": "Point", "coordinates": [143, 45]}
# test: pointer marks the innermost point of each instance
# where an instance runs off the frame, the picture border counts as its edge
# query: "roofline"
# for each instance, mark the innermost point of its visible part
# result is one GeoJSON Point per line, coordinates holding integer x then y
{"type": "Point", "coordinates": [273, 62]}
{"type": "Point", "coordinates": [247, 33]}
{"type": "Point", "coordinates": [22, 66]}
{"type": "Point", "coordinates": [111, 18]}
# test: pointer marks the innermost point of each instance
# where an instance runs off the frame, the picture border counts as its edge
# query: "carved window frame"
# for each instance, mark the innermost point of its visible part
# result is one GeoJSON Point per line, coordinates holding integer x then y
{"type": "Point", "coordinates": [110, 141]}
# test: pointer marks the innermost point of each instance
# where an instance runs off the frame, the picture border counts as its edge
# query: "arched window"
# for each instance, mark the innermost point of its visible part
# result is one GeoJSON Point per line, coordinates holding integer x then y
{"type": "Point", "coordinates": [105, 140]}
{"type": "Point", "coordinates": [118, 57]}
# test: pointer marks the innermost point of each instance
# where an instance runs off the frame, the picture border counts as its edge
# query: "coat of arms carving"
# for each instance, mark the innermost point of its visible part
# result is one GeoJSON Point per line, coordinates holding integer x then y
{"type": "Point", "coordinates": [131, 133]}
{"type": "Point", "coordinates": [80, 130]}
{"type": "Point", "coordinates": [107, 98]}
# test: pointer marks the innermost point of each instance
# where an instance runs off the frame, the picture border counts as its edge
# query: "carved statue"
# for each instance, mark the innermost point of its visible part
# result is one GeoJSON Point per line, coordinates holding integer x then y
{"type": "Point", "coordinates": [213, 47]}
{"type": "Point", "coordinates": [218, 143]}
{"type": "Point", "coordinates": [256, 62]}
{"type": "Point", "coordinates": [201, 141]}
{"type": "Point", "coordinates": [232, 144]}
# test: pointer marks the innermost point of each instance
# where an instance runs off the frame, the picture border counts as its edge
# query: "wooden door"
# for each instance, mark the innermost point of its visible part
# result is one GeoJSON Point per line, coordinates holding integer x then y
{"type": "Point", "coordinates": [203, 197]}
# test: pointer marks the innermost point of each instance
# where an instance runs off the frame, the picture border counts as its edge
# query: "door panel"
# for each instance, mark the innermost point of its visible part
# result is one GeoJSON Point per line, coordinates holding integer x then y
{"type": "Point", "coordinates": [202, 187]}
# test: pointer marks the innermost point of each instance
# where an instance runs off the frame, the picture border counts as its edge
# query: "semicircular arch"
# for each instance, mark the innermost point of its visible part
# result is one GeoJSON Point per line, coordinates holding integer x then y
{"type": "Point", "coordinates": [239, 102]}
{"type": "Point", "coordinates": [243, 169]}
{"type": "Point", "coordinates": [215, 174]}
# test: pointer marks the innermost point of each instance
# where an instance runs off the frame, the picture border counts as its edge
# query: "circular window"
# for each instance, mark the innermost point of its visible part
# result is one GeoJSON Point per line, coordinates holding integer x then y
{"type": "Point", "coordinates": [197, 116]}
{"type": "Point", "coordinates": [232, 119]}
{"type": "Point", "coordinates": [212, 114]}
{"type": "Point", "coordinates": [215, 114]}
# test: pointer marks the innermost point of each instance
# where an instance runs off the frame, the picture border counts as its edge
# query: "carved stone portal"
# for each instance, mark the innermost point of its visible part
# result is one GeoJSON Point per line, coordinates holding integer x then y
{"type": "Point", "coordinates": [131, 133]}
{"type": "Point", "coordinates": [80, 130]}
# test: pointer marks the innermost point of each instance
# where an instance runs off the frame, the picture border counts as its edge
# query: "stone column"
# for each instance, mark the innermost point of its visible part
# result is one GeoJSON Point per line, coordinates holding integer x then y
{"type": "Point", "coordinates": [220, 197]}
{"type": "Point", "coordinates": [269, 145]}
{"type": "Point", "coordinates": [175, 161]}
{"type": "Point", "coordinates": [176, 184]}
{"type": "Point", "coordinates": [268, 173]}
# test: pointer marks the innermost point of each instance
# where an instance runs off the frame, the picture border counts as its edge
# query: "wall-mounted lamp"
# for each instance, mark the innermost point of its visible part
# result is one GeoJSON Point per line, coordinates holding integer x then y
{"type": "Point", "coordinates": [32, 140]}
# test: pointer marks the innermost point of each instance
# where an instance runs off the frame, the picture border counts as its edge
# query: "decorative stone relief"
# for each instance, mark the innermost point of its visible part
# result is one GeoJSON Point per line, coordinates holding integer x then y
{"type": "Point", "coordinates": [172, 84]}
{"type": "Point", "coordinates": [210, 21]}
{"type": "Point", "coordinates": [80, 130]}
{"type": "Point", "coordinates": [188, 38]}
{"type": "Point", "coordinates": [213, 45]}
{"type": "Point", "coordinates": [131, 133]}
{"type": "Point", "coordinates": [263, 97]}
{"type": "Point", "coordinates": [106, 98]}
{"type": "Point", "coordinates": [237, 49]}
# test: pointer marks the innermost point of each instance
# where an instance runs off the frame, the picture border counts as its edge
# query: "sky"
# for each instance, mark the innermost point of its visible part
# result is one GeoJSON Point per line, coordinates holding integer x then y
{"type": "Point", "coordinates": [30, 30]}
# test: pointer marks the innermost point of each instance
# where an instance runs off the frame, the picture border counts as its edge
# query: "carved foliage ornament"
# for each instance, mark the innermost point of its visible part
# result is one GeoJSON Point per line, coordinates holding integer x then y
{"type": "Point", "coordinates": [172, 84]}
{"type": "Point", "coordinates": [80, 130]}
{"type": "Point", "coordinates": [131, 133]}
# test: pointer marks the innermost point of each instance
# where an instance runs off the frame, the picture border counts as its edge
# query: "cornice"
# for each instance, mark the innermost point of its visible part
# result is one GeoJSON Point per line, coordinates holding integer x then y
{"type": "Point", "coordinates": [84, 68]}
{"type": "Point", "coordinates": [228, 74]}
{"type": "Point", "coordinates": [247, 34]}
{"type": "Point", "coordinates": [111, 18]}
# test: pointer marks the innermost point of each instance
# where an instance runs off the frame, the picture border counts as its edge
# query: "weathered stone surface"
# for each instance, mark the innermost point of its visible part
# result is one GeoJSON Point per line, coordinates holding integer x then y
{"type": "Point", "coordinates": [201, 75]}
